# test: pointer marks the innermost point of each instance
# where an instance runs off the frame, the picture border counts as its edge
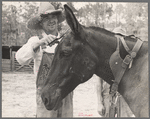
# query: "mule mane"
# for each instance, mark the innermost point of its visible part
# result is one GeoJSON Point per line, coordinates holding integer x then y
{"type": "Point", "coordinates": [102, 30]}
{"type": "Point", "coordinates": [110, 33]}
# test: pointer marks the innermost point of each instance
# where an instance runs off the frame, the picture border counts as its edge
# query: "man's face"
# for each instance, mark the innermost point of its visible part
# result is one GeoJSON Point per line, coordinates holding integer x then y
{"type": "Point", "coordinates": [49, 23]}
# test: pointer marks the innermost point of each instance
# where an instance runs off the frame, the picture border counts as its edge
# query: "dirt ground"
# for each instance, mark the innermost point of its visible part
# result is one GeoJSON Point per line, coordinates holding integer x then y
{"type": "Point", "coordinates": [18, 96]}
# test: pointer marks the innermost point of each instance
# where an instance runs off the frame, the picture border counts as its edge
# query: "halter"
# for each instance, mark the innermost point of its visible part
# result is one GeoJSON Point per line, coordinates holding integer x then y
{"type": "Point", "coordinates": [56, 40]}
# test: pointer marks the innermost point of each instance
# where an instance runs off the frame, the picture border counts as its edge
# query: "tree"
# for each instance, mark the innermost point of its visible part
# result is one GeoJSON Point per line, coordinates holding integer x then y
{"type": "Point", "coordinates": [71, 5]}
{"type": "Point", "coordinates": [96, 14]}
{"type": "Point", "coordinates": [119, 10]}
{"type": "Point", "coordinates": [13, 21]}
{"type": "Point", "coordinates": [9, 29]}
{"type": "Point", "coordinates": [136, 16]}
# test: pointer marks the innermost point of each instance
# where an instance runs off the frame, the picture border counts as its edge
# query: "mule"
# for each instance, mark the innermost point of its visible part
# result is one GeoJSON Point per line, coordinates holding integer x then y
{"type": "Point", "coordinates": [85, 51]}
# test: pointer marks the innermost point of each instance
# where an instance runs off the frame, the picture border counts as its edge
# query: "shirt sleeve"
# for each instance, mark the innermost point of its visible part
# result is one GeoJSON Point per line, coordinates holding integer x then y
{"type": "Point", "coordinates": [25, 54]}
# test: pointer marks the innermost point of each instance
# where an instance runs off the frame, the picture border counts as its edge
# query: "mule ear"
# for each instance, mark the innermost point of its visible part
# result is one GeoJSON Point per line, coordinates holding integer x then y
{"type": "Point", "coordinates": [71, 20]}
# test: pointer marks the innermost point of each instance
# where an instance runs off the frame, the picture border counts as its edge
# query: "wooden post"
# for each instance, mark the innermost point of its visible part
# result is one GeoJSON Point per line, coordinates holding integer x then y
{"type": "Point", "coordinates": [14, 24]}
{"type": "Point", "coordinates": [10, 51]}
{"type": "Point", "coordinates": [118, 107]}
{"type": "Point", "coordinates": [13, 61]}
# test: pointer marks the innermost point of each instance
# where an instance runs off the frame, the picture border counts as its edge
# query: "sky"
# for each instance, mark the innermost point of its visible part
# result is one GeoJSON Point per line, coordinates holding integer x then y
{"type": "Point", "coordinates": [77, 5]}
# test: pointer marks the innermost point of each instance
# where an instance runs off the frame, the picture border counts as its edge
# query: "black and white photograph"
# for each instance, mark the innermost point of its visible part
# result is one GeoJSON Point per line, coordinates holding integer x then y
{"type": "Point", "coordinates": [74, 59]}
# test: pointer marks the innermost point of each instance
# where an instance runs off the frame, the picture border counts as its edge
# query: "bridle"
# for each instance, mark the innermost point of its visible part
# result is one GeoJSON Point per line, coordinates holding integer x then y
{"type": "Point", "coordinates": [56, 40]}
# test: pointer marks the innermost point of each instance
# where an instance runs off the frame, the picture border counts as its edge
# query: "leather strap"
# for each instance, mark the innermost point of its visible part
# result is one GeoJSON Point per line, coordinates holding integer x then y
{"type": "Point", "coordinates": [136, 48]}
{"type": "Point", "coordinates": [112, 109]}
{"type": "Point", "coordinates": [127, 60]}
{"type": "Point", "coordinates": [125, 45]}
{"type": "Point", "coordinates": [114, 105]}
{"type": "Point", "coordinates": [125, 63]}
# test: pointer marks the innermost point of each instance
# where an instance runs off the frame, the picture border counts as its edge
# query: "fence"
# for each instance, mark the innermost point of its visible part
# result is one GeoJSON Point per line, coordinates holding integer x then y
{"type": "Point", "coordinates": [9, 62]}
{"type": "Point", "coordinates": [22, 68]}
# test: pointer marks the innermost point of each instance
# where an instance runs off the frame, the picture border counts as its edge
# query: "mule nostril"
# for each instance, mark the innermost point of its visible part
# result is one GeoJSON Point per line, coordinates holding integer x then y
{"type": "Point", "coordinates": [45, 101]}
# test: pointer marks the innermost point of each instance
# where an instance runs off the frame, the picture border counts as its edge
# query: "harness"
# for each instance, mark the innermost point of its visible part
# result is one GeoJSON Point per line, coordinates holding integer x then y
{"type": "Point", "coordinates": [56, 40]}
{"type": "Point", "coordinates": [119, 66]}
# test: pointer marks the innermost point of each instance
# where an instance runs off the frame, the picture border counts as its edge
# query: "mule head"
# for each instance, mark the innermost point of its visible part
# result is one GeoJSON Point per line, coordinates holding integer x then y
{"type": "Point", "coordinates": [74, 62]}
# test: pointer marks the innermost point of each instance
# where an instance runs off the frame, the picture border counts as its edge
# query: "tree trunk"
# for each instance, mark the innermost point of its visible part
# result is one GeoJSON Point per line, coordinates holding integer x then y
{"type": "Point", "coordinates": [13, 25]}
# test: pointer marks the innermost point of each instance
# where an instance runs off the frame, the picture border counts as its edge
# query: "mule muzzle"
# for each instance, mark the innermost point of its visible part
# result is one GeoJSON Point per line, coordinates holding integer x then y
{"type": "Point", "coordinates": [51, 102]}
{"type": "Point", "coordinates": [47, 101]}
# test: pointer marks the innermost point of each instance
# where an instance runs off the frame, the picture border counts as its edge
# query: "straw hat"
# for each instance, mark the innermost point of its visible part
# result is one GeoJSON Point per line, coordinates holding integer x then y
{"type": "Point", "coordinates": [120, 30]}
{"type": "Point", "coordinates": [44, 8]}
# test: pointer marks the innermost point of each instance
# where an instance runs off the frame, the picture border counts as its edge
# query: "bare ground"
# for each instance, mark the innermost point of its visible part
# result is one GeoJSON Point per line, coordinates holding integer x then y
{"type": "Point", "coordinates": [18, 96]}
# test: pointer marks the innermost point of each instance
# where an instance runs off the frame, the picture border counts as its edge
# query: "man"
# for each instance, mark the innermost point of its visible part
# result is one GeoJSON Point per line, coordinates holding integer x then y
{"type": "Point", "coordinates": [103, 97]}
{"type": "Point", "coordinates": [46, 23]}
{"type": "Point", "coordinates": [121, 109]}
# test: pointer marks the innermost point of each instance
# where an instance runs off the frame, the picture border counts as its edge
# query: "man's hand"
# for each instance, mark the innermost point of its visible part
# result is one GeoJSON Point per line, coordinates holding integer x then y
{"type": "Point", "coordinates": [43, 42]}
{"type": "Point", "coordinates": [46, 40]}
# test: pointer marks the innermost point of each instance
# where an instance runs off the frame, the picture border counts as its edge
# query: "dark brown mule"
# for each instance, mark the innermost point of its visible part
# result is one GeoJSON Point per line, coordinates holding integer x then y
{"type": "Point", "coordinates": [86, 51]}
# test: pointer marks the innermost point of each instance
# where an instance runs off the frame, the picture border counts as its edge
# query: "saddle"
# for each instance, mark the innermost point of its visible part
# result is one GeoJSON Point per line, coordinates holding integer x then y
{"type": "Point", "coordinates": [119, 66]}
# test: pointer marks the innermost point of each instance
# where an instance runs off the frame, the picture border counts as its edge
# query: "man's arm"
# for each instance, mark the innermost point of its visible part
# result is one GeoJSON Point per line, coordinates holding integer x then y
{"type": "Point", "coordinates": [25, 54]}
{"type": "Point", "coordinates": [28, 51]}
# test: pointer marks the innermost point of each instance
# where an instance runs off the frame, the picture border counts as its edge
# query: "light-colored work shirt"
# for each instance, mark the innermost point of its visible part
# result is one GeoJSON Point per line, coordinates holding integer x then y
{"type": "Point", "coordinates": [25, 54]}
